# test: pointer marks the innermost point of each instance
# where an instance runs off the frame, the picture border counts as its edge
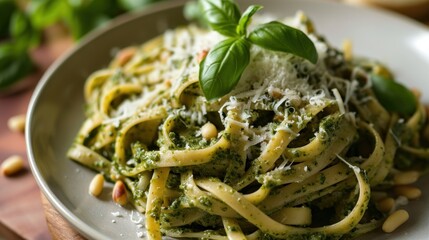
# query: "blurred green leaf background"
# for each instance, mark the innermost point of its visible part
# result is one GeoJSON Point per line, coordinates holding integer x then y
{"type": "Point", "coordinates": [24, 22]}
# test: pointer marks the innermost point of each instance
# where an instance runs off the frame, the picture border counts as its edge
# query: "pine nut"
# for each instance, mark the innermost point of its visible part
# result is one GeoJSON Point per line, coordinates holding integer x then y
{"type": "Point", "coordinates": [124, 56]}
{"type": "Point", "coordinates": [12, 165]}
{"type": "Point", "coordinates": [17, 123]}
{"type": "Point", "coordinates": [119, 194]}
{"type": "Point", "coordinates": [347, 49]}
{"type": "Point", "coordinates": [395, 220]}
{"type": "Point", "coordinates": [386, 204]}
{"type": "Point", "coordinates": [202, 55]}
{"type": "Point", "coordinates": [208, 131]}
{"type": "Point", "coordinates": [96, 185]}
{"type": "Point", "coordinates": [403, 178]}
{"type": "Point", "coordinates": [408, 192]}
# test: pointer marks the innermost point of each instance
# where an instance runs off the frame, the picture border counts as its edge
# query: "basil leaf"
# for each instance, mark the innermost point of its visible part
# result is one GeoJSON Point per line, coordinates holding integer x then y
{"type": "Point", "coordinates": [84, 16]}
{"type": "Point", "coordinates": [279, 37]}
{"type": "Point", "coordinates": [221, 15]}
{"type": "Point", "coordinates": [245, 19]}
{"type": "Point", "coordinates": [133, 5]}
{"type": "Point", "coordinates": [7, 7]}
{"type": "Point", "coordinates": [15, 64]}
{"type": "Point", "coordinates": [23, 33]}
{"type": "Point", "coordinates": [82, 21]}
{"type": "Point", "coordinates": [393, 96]}
{"type": "Point", "coordinates": [223, 66]}
{"type": "Point", "coordinates": [44, 13]}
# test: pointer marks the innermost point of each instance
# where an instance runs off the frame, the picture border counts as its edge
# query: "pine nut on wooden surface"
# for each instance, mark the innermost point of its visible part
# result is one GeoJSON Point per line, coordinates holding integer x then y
{"type": "Point", "coordinates": [17, 123]}
{"type": "Point", "coordinates": [12, 165]}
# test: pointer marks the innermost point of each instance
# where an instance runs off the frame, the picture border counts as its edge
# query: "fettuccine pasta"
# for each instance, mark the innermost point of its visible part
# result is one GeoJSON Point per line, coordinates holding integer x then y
{"type": "Point", "coordinates": [296, 151]}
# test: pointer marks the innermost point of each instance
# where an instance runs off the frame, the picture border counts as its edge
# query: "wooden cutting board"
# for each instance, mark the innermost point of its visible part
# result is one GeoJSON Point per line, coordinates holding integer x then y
{"type": "Point", "coordinates": [58, 226]}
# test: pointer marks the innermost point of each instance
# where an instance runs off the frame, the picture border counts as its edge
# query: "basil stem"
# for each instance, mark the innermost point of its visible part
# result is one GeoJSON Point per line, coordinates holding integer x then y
{"type": "Point", "coordinates": [222, 68]}
{"type": "Point", "coordinates": [277, 36]}
{"type": "Point", "coordinates": [393, 96]}
{"type": "Point", "coordinates": [221, 15]}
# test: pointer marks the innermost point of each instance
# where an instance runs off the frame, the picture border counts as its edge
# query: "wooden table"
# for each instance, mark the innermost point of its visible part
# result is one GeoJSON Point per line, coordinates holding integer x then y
{"type": "Point", "coordinates": [21, 213]}
{"type": "Point", "coordinates": [24, 211]}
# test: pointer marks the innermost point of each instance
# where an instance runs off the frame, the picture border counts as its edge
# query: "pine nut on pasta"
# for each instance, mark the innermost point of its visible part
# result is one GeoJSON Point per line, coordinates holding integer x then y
{"type": "Point", "coordinates": [208, 131]}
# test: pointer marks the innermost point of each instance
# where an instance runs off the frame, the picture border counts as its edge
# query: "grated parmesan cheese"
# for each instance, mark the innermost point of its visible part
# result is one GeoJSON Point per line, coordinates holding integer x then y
{"type": "Point", "coordinates": [117, 214]}
{"type": "Point", "coordinates": [339, 100]}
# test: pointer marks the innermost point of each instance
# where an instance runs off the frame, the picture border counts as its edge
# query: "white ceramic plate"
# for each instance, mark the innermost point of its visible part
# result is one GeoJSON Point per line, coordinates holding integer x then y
{"type": "Point", "coordinates": [56, 110]}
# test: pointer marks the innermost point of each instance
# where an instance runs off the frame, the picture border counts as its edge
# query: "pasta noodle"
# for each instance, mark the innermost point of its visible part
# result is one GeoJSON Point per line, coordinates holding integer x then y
{"type": "Point", "coordinates": [295, 151]}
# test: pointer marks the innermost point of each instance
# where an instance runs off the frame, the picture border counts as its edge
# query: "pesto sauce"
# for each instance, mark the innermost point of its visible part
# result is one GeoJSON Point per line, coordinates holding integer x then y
{"type": "Point", "coordinates": [143, 156]}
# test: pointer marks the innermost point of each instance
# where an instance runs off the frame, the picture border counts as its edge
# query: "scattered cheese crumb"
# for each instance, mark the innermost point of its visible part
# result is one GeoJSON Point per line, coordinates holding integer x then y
{"type": "Point", "coordinates": [140, 234]}
{"type": "Point", "coordinates": [117, 214]}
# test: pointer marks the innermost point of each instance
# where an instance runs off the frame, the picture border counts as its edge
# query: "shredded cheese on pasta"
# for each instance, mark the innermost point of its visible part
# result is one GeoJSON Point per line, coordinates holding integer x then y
{"type": "Point", "coordinates": [291, 137]}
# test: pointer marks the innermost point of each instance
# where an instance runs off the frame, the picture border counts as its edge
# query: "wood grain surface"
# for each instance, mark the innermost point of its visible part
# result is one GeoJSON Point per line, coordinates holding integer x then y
{"type": "Point", "coordinates": [58, 226]}
{"type": "Point", "coordinates": [21, 210]}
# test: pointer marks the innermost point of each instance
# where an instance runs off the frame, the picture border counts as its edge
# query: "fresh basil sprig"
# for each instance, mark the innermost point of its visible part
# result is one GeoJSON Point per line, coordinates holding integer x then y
{"type": "Point", "coordinates": [223, 66]}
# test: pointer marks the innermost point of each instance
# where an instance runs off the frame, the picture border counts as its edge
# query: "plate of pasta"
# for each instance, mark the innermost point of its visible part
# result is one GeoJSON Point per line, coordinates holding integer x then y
{"type": "Point", "coordinates": [256, 120]}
